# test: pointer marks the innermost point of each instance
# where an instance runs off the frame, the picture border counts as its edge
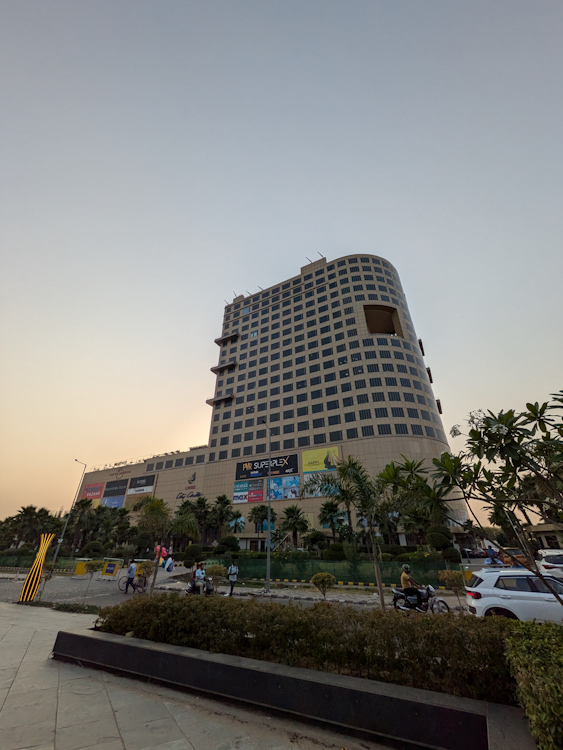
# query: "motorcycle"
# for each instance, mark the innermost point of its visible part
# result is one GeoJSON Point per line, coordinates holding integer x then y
{"type": "Point", "coordinates": [208, 589]}
{"type": "Point", "coordinates": [429, 601]}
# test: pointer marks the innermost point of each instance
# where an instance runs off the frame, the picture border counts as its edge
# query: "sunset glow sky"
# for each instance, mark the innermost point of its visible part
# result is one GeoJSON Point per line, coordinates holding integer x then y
{"type": "Point", "coordinates": [158, 157]}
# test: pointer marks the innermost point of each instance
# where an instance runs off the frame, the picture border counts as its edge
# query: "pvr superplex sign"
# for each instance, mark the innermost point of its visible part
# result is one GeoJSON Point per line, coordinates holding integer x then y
{"type": "Point", "coordinates": [279, 466]}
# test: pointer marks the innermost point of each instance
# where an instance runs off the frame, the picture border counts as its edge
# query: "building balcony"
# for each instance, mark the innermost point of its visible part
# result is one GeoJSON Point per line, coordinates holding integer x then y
{"type": "Point", "coordinates": [228, 366]}
{"type": "Point", "coordinates": [227, 396]}
{"type": "Point", "coordinates": [228, 337]}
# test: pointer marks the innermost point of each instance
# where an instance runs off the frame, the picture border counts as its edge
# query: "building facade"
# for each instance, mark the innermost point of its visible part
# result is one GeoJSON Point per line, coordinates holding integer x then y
{"type": "Point", "coordinates": [318, 367]}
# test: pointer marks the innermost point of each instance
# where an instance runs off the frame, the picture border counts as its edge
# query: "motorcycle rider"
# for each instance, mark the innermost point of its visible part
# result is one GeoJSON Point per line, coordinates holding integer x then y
{"type": "Point", "coordinates": [200, 578]}
{"type": "Point", "coordinates": [410, 586]}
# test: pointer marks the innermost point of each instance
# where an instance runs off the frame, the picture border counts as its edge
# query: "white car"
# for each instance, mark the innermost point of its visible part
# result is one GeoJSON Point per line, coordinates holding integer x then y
{"type": "Point", "coordinates": [550, 562]}
{"type": "Point", "coordinates": [515, 593]}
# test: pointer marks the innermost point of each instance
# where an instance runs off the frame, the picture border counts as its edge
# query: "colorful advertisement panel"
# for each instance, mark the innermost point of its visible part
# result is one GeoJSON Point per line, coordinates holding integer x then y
{"type": "Point", "coordinates": [141, 485]}
{"type": "Point", "coordinates": [280, 466]}
{"type": "Point", "coordinates": [323, 459]}
{"type": "Point", "coordinates": [251, 491]}
{"type": "Point", "coordinates": [115, 501]}
{"type": "Point", "coordinates": [284, 488]}
{"type": "Point", "coordinates": [116, 488]}
{"type": "Point", "coordinates": [93, 491]}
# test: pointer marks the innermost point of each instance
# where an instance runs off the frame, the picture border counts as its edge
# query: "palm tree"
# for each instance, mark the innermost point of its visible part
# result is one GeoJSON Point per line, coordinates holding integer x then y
{"type": "Point", "coordinates": [222, 512]}
{"type": "Point", "coordinates": [294, 522]}
{"type": "Point", "coordinates": [329, 516]}
{"type": "Point", "coordinates": [237, 521]}
{"type": "Point", "coordinates": [258, 516]}
{"type": "Point", "coordinates": [351, 484]}
{"type": "Point", "coordinates": [155, 520]}
{"type": "Point", "coordinates": [202, 513]}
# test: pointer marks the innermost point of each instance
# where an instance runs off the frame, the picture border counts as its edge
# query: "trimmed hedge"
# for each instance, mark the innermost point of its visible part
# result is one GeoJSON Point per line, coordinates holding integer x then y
{"type": "Point", "coordinates": [457, 655]}
{"type": "Point", "coordinates": [535, 655]}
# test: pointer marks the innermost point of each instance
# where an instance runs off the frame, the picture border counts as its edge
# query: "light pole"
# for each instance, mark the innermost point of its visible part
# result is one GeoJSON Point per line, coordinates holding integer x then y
{"type": "Point", "coordinates": [268, 494]}
{"type": "Point", "coordinates": [62, 536]}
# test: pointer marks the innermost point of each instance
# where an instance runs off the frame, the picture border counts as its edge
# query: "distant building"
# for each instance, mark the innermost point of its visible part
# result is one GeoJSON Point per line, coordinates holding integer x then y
{"type": "Point", "coordinates": [331, 361]}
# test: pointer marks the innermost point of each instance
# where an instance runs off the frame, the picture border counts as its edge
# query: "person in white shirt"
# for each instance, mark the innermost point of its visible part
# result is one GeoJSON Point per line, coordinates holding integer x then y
{"type": "Point", "coordinates": [131, 573]}
{"type": "Point", "coordinates": [200, 578]}
{"type": "Point", "coordinates": [232, 574]}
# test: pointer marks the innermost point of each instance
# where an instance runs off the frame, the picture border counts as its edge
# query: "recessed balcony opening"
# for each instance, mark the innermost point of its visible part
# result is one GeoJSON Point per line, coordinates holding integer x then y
{"type": "Point", "coordinates": [383, 319]}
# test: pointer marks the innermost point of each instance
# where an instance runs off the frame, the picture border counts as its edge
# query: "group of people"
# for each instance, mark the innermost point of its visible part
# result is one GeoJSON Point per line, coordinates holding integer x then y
{"type": "Point", "coordinates": [199, 576]}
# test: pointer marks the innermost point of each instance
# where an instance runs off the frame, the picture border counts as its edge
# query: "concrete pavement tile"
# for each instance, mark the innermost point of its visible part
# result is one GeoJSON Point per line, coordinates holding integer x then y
{"type": "Point", "coordinates": [151, 734]}
{"type": "Point", "coordinates": [18, 716]}
{"type": "Point", "coordinates": [111, 745]}
{"type": "Point", "coordinates": [7, 676]}
{"type": "Point", "coordinates": [138, 711]}
{"type": "Point", "coordinates": [30, 735]}
{"type": "Point", "coordinates": [31, 698]}
{"type": "Point", "coordinates": [90, 734]}
{"type": "Point", "coordinates": [182, 744]}
{"type": "Point", "coordinates": [79, 709]}
{"type": "Point", "coordinates": [87, 684]}
{"type": "Point", "coordinates": [38, 679]}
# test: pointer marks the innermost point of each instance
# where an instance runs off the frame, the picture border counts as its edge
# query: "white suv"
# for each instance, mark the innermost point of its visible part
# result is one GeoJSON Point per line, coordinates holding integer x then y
{"type": "Point", "coordinates": [515, 593]}
{"type": "Point", "coordinates": [550, 562]}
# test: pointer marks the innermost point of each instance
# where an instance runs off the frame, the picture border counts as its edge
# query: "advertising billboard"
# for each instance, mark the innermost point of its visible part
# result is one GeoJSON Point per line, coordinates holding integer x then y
{"type": "Point", "coordinates": [92, 491]}
{"type": "Point", "coordinates": [280, 465]}
{"type": "Point", "coordinates": [250, 491]}
{"type": "Point", "coordinates": [141, 485]}
{"type": "Point", "coordinates": [115, 501]}
{"type": "Point", "coordinates": [322, 459]}
{"type": "Point", "coordinates": [284, 488]}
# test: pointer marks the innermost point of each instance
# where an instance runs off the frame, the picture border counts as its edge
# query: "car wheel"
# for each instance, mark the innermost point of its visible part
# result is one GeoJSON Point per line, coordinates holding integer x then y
{"type": "Point", "coordinates": [499, 612]}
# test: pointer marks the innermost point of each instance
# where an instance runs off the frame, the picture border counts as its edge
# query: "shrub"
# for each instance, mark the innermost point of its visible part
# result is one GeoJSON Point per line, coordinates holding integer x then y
{"type": "Point", "coordinates": [92, 549]}
{"type": "Point", "coordinates": [334, 552]}
{"type": "Point", "coordinates": [220, 549]}
{"type": "Point", "coordinates": [193, 552]}
{"type": "Point", "coordinates": [439, 537]}
{"type": "Point", "coordinates": [216, 571]}
{"type": "Point", "coordinates": [231, 542]}
{"type": "Point", "coordinates": [451, 554]}
{"type": "Point", "coordinates": [461, 656]}
{"type": "Point", "coordinates": [396, 549]}
{"type": "Point", "coordinates": [387, 557]}
{"type": "Point", "coordinates": [535, 655]}
{"type": "Point", "coordinates": [324, 582]}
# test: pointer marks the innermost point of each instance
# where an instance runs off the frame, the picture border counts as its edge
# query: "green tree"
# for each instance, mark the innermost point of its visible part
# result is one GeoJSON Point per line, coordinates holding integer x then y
{"type": "Point", "coordinates": [294, 522]}
{"type": "Point", "coordinates": [221, 513]}
{"type": "Point", "coordinates": [258, 516]}
{"type": "Point", "coordinates": [330, 515]}
{"type": "Point", "coordinates": [203, 514]}
{"type": "Point", "coordinates": [351, 485]}
{"type": "Point", "coordinates": [237, 522]}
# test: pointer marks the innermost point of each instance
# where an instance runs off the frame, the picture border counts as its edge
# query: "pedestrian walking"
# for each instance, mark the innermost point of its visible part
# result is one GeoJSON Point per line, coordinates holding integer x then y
{"type": "Point", "coordinates": [232, 574]}
{"type": "Point", "coordinates": [131, 573]}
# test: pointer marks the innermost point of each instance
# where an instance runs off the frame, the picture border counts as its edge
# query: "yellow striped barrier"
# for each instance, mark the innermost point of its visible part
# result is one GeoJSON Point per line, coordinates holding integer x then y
{"type": "Point", "coordinates": [33, 579]}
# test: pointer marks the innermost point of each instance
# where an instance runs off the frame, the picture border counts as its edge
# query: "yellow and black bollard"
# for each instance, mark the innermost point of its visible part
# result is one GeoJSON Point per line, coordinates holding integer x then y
{"type": "Point", "coordinates": [31, 583]}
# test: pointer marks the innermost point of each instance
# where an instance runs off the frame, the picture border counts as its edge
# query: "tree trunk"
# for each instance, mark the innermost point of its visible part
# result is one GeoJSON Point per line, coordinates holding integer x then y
{"type": "Point", "coordinates": [377, 573]}
{"type": "Point", "coordinates": [157, 565]}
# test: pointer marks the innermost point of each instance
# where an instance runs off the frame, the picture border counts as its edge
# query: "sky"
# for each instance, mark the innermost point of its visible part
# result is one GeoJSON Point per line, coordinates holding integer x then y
{"type": "Point", "coordinates": [156, 158]}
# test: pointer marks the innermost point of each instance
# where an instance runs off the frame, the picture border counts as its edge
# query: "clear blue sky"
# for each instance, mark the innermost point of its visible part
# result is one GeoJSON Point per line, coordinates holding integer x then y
{"type": "Point", "coordinates": [157, 156]}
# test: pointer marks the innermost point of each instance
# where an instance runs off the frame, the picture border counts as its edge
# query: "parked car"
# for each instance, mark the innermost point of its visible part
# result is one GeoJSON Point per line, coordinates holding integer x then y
{"type": "Point", "coordinates": [550, 562]}
{"type": "Point", "coordinates": [514, 593]}
{"type": "Point", "coordinates": [517, 553]}
{"type": "Point", "coordinates": [473, 553]}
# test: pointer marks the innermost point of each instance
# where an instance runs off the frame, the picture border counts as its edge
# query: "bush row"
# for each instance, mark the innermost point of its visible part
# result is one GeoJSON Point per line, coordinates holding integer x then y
{"type": "Point", "coordinates": [535, 655]}
{"type": "Point", "coordinates": [460, 656]}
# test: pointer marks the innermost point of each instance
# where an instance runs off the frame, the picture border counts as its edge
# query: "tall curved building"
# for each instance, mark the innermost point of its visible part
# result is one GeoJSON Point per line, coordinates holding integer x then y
{"type": "Point", "coordinates": [328, 364]}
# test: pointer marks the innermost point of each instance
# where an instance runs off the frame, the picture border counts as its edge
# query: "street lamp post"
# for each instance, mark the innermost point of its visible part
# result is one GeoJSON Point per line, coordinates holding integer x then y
{"type": "Point", "coordinates": [62, 536]}
{"type": "Point", "coordinates": [268, 494]}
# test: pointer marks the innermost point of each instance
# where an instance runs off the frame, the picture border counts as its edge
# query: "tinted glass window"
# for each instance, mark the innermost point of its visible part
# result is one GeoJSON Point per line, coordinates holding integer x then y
{"type": "Point", "coordinates": [473, 582]}
{"type": "Point", "coordinates": [518, 583]}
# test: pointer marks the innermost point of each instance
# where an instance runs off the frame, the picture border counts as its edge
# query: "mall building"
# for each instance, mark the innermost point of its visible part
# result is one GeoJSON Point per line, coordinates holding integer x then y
{"type": "Point", "coordinates": [329, 363]}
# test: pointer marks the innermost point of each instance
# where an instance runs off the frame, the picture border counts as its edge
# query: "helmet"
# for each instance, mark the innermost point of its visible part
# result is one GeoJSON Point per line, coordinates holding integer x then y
{"type": "Point", "coordinates": [407, 568]}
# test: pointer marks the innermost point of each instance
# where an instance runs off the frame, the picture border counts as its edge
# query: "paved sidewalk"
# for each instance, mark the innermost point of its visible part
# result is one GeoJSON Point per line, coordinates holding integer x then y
{"type": "Point", "coordinates": [49, 705]}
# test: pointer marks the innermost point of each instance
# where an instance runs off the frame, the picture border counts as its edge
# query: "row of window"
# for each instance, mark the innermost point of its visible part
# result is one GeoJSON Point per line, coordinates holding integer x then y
{"type": "Point", "coordinates": [384, 285]}
{"type": "Point", "coordinates": [332, 391]}
{"type": "Point", "coordinates": [379, 266]}
{"type": "Point", "coordinates": [175, 463]}
{"type": "Point", "coordinates": [333, 437]}
{"type": "Point", "coordinates": [320, 301]}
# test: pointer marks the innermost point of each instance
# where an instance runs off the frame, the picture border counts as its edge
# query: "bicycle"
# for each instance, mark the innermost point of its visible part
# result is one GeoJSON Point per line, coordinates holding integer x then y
{"type": "Point", "coordinates": [139, 584]}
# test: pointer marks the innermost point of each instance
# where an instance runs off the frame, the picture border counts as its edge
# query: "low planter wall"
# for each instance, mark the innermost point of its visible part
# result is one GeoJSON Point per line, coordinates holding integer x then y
{"type": "Point", "coordinates": [372, 709]}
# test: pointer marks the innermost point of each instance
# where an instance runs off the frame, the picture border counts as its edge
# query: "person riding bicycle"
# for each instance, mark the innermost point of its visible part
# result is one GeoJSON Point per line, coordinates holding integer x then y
{"type": "Point", "coordinates": [131, 573]}
{"type": "Point", "coordinates": [410, 586]}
